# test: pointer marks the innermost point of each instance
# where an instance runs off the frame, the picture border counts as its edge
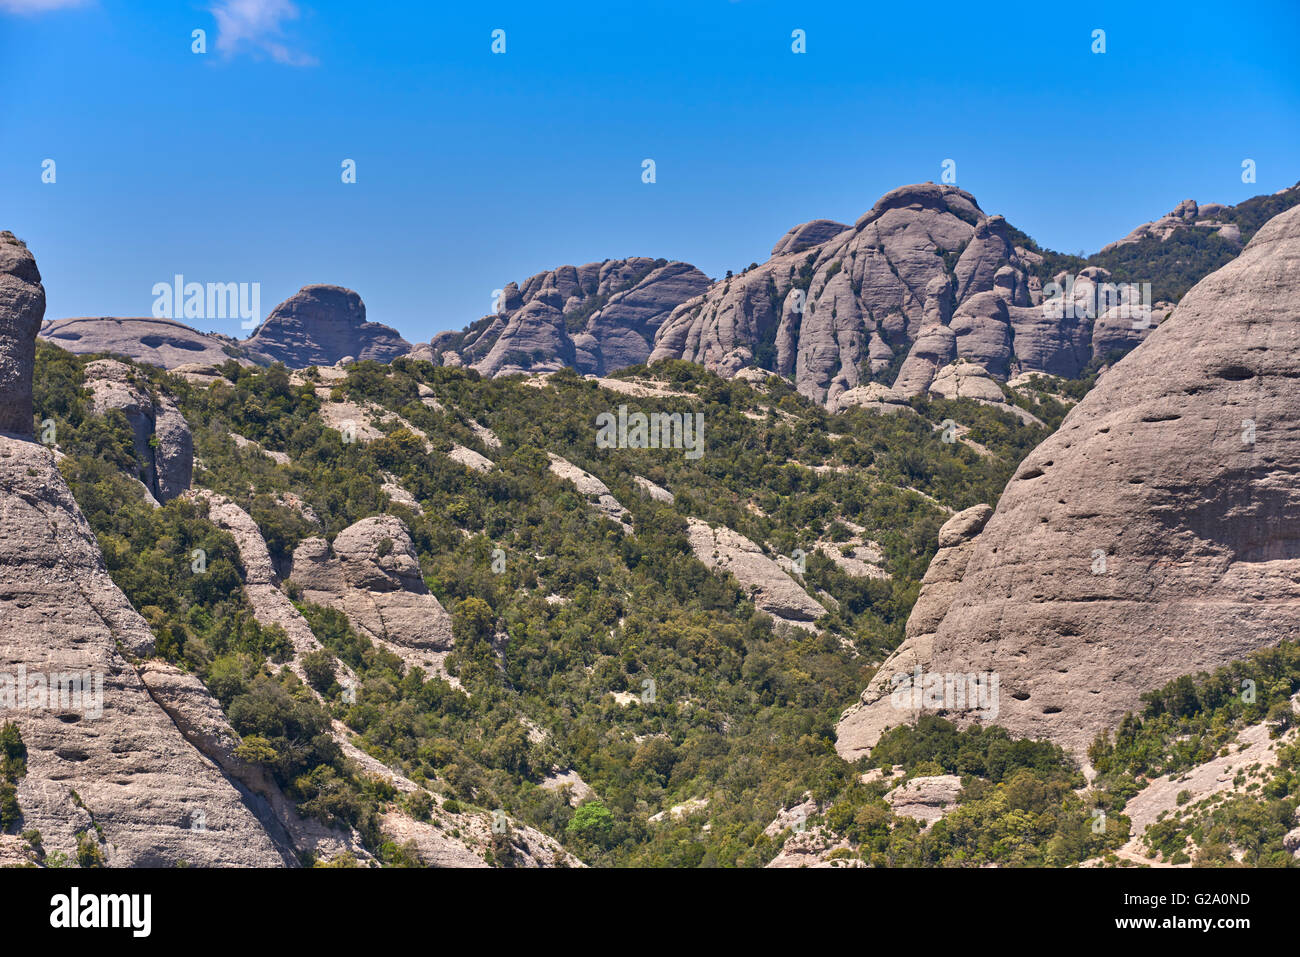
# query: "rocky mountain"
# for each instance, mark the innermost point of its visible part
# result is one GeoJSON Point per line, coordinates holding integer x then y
{"type": "Point", "coordinates": [595, 318]}
{"type": "Point", "coordinates": [857, 314]}
{"type": "Point", "coordinates": [1154, 534]}
{"type": "Point", "coordinates": [853, 315]}
{"type": "Point", "coordinates": [435, 619]}
{"type": "Point", "coordinates": [869, 314]}
{"type": "Point", "coordinates": [319, 325]}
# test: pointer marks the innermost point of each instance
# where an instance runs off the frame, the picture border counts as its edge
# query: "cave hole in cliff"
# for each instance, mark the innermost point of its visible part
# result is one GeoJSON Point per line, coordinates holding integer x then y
{"type": "Point", "coordinates": [1235, 373]}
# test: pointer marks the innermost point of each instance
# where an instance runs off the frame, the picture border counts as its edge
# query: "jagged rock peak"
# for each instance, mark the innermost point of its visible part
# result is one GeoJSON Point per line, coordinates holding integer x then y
{"type": "Point", "coordinates": [319, 325]}
{"type": "Point", "coordinates": [597, 318]}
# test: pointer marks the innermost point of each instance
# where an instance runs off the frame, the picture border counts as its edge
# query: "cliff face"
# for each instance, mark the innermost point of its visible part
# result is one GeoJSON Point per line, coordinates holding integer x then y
{"type": "Point", "coordinates": [106, 766]}
{"type": "Point", "coordinates": [1156, 533]}
{"type": "Point", "coordinates": [923, 279]}
{"type": "Point", "coordinates": [596, 318]}
{"type": "Point", "coordinates": [319, 325]}
{"type": "Point", "coordinates": [22, 304]}
{"type": "Point", "coordinates": [163, 443]}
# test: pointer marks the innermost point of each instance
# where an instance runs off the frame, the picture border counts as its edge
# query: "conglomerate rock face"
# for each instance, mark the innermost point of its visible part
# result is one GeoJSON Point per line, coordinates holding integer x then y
{"type": "Point", "coordinates": [319, 325]}
{"type": "Point", "coordinates": [163, 444]}
{"type": "Point", "coordinates": [1157, 533]}
{"type": "Point", "coordinates": [596, 318]}
{"type": "Point", "coordinates": [165, 343]}
{"type": "Point", "coordinates": [22, 305]}
{"type": "Point", "coordinates": [372, 575]}
{"type": "Point", "coordinates": [922, 280]}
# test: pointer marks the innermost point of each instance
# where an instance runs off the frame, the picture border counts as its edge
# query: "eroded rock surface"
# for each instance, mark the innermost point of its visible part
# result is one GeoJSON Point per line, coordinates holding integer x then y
{"type": "Point", "coordinates": [596, 318]}
{"type": "Point", "coordinates": [1156, 534]}
{"type": "Point", "coordinates": [860, 727]}
{"type": "Point", "coordinates": [22, 304]}
{"type": "Point", "coordinates": [162, 439]}
{"type": "Point", "coordinates": [320, 325]}
{"type": "Point", "coordinates": [372, 575]}
{"type": "Point", "coordinates": [106, 767]}
{"type": "Point", "coordinates": [925, 798]}
{"type": "Point", "coordinates": [157, 342]}
{"type": "Point", "coordinates": [773, 590]}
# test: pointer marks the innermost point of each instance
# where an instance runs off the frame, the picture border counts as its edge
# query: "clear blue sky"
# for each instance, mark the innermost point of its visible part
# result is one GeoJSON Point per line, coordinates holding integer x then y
{"type": "Point", "coordinates": [476, 169]}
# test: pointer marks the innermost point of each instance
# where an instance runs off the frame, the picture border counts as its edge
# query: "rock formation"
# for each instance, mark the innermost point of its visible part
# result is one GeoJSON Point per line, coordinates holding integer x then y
{"type": "Point", "coordinates": [157, 342]}
{"type": "Point", "coordinates": [860, 727]}
{"type": "Point", "coordinates": [773, 591]}
{"type": "Point", "coordinates": [925, 798]}
{"type": "Point", "coordinates": [922, 279]}
{"type": "Point", "coordinates": [270, 605]}
{"type": "Point", "coordinates": [596, 318]}
{"type": "Point", "coordinates": [1186, 215]}
{"type": "Point", "coordinates": [319, 325]}
{"type": "Point", "coordinates": [22, 304]}
{"type": "Point", "coordinates": [163, 444]}
{"type": "Point", "coordinates": [1156, 533]}
{"type": "Point", "coordinates": [807, 235]}
{"type": "Point", "coordinates": [198, 716]}
{"type": "Point", "coordinates": [592, 489]}
{"type": "Point", "coordinates": [107, 769]}
{"type": "Point", "coordinates": [372, 575]}
{"type": "Point", "coordinates": [835, 305]}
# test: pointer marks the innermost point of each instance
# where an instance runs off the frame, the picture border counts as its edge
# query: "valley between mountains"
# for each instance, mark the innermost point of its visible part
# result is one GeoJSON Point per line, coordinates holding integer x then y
{"type": "Point", "coordinates": [356, 602]}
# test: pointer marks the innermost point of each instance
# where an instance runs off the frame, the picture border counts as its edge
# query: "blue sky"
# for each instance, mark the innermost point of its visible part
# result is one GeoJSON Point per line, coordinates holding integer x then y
{"type": "Point", "coordinates": [475, 169]}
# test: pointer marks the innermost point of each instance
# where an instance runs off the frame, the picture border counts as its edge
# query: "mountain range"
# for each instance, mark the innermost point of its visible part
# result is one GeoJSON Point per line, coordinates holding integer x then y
{"type": "Point", "coordinates": [353, 602]}
{"type": "Point", "coordinates": [851, 314]}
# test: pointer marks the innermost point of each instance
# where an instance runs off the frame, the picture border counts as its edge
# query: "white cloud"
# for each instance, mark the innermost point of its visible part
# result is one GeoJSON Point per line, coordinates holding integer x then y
{"type": "Point", "coordinates": [38, 6]}
{"type": "Point", "coordinates": [256, 26]}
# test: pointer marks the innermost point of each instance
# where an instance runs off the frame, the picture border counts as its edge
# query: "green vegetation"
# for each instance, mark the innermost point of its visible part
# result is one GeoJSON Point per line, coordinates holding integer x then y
{"type": "Point", "coordinates": [1194, 719]}
{"type": "Point", "coordinates": [742, 713]}
{"type": "Point", "coordinates": [1172, 265]}
{"type": "Point", "coordinates": [13, 768]}
{"type": "Point", "coordinates": [1191, 719]}
{"type": "Point", "coordinates": [1017, 807]}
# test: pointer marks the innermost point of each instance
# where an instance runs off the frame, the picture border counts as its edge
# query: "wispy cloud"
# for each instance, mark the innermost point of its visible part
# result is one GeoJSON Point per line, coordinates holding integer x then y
{"type": "Point", "coordinates": [39, 6]}
{"type": "Point", "coordinates": [257, 27]}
